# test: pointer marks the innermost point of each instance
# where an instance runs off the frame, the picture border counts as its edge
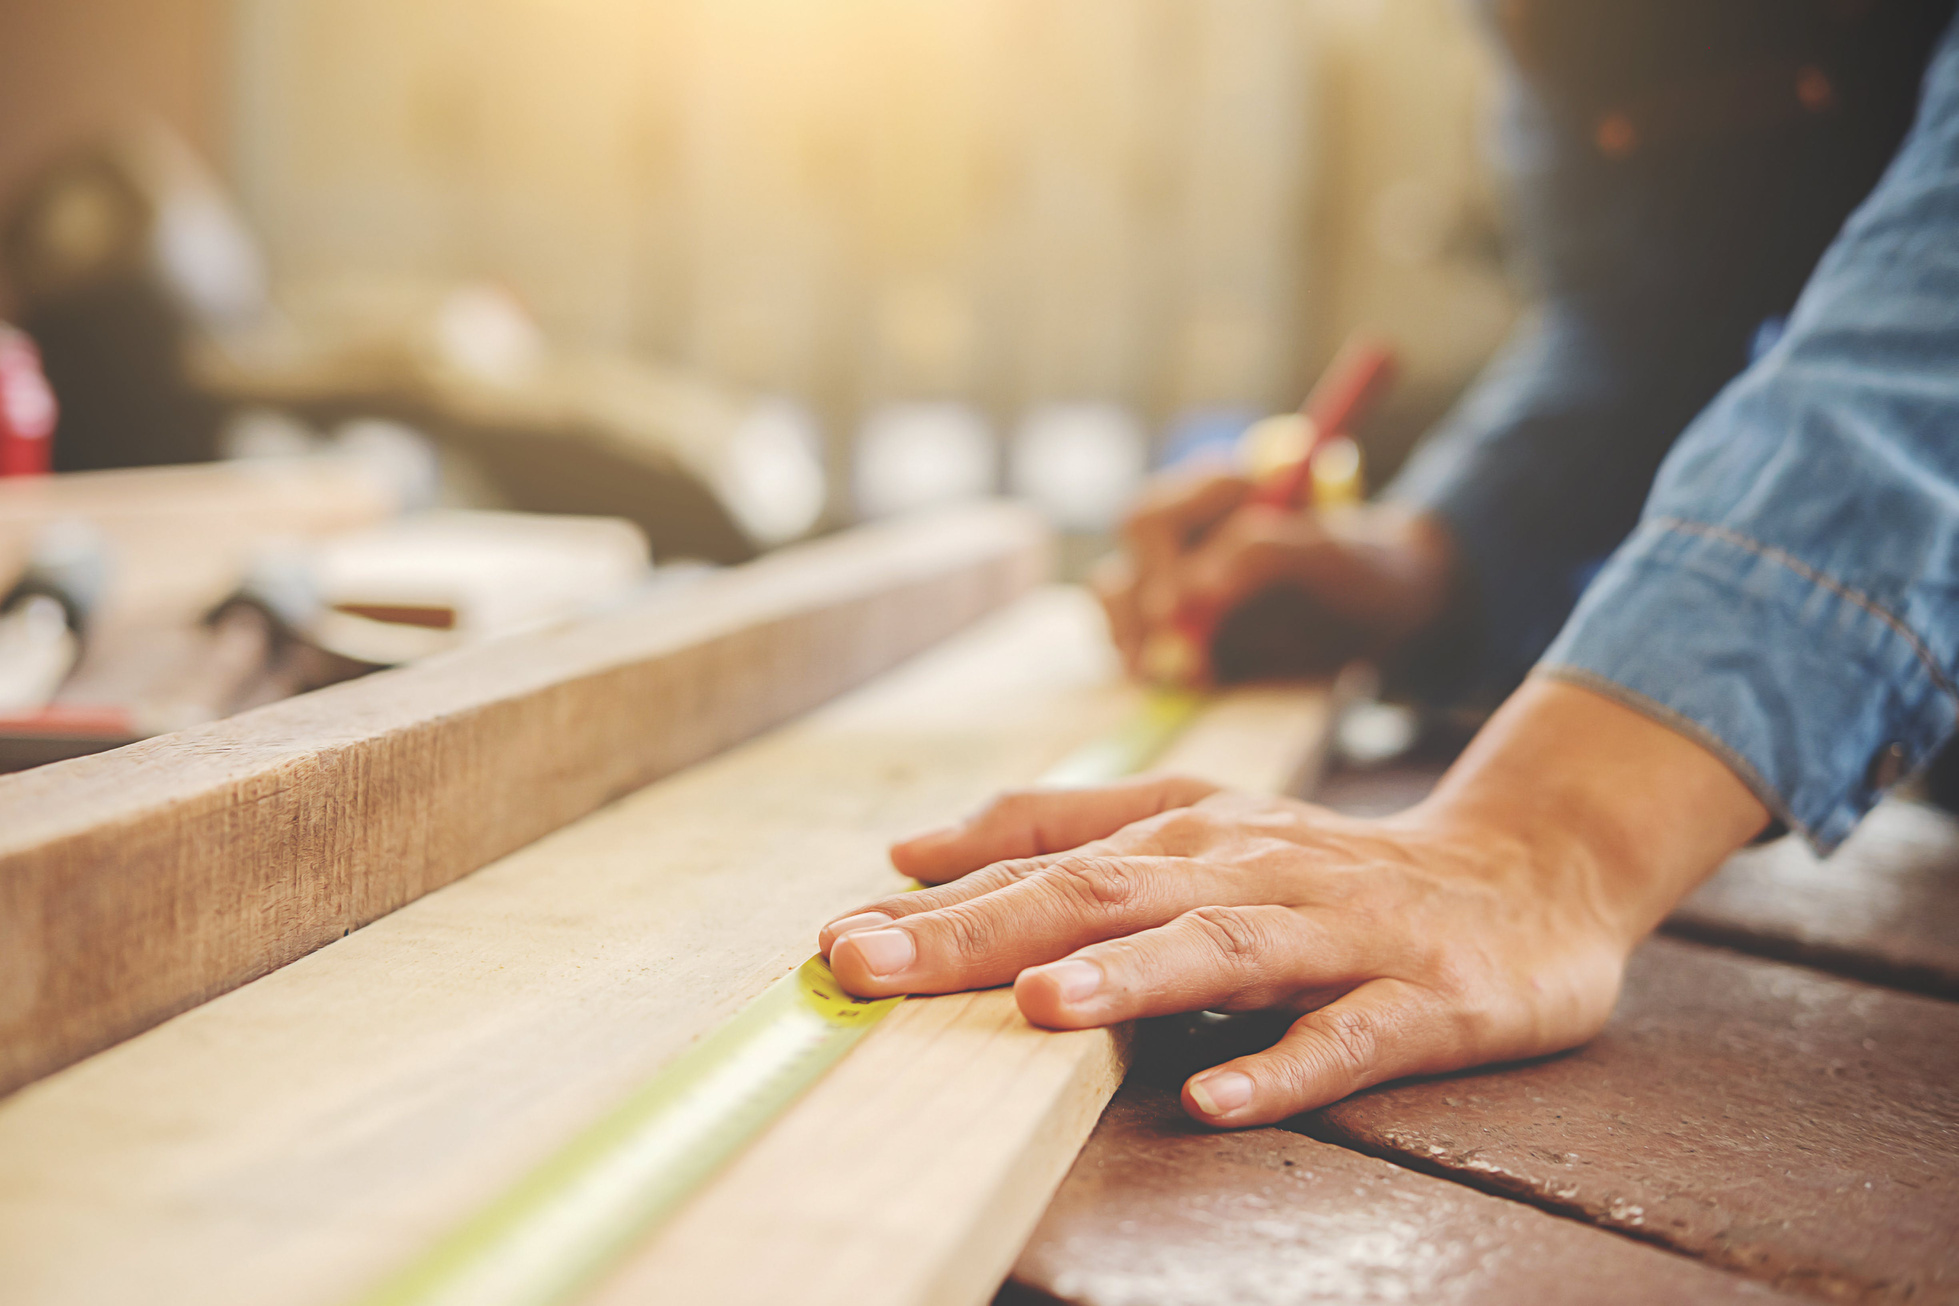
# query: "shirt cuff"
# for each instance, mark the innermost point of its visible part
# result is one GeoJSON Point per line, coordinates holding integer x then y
{"type": "Point", "coordinates": [1814, 695]}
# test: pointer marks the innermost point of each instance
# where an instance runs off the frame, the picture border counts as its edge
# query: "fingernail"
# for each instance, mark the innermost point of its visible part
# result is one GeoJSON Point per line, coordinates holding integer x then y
{"type": "Point", "coordinates": [863, 920]}
{"type": "Point", "coordinates": [884, 951]}
{"type": "Point", "coordinates": [1074, 979]}
{"type": "Point", "coordinates": [1222, 1093]}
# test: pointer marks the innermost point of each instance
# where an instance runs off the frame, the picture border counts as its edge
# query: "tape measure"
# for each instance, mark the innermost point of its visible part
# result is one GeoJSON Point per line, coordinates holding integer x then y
{"type": "Point", "coordinates": [571, 1218]}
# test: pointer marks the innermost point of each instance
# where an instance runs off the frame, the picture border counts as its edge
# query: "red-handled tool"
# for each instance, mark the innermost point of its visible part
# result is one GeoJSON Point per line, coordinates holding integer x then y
{"type": "Point", "coordinates": [1358, 375]}
{"type": "Point", "coordinates": [27, 407]}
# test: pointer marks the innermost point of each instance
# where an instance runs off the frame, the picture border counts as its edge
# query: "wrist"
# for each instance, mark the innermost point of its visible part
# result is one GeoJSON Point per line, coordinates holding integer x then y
{"type": "Point", "coordinates": [1597, 802]}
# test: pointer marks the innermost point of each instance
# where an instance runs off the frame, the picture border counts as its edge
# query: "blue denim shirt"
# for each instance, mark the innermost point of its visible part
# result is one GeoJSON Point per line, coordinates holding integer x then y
{"type": "Point", "coordinates": [1790, 593]}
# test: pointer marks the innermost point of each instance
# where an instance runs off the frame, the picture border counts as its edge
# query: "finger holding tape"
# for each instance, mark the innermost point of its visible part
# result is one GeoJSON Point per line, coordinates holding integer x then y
{"type": "Point", "coordinates": [1041, 917]}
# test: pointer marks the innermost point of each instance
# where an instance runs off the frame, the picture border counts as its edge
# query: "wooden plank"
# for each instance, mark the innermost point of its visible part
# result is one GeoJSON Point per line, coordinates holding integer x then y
{"type": "Point", "coordinates": [1796, 1126]}
{"type": "Point", "coordinates": [138, 883]}
{"type": "Point", "coordinates": [1883, 907]}
{"type": "Point", "coordinates": [297, 1138]}
{"type": "Point", "coordinates": [914, 1171]}
{"type": "Point", "coordinates": [1161, 1210]}
{"type": "Point", "coordinates": [179, 538]}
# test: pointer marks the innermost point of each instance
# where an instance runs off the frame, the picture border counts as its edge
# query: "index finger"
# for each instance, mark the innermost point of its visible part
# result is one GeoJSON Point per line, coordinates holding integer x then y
{"type": "Point", "coordinates": [1034, 822]}
{"type": "Point", "coordinates": [1063, 906]}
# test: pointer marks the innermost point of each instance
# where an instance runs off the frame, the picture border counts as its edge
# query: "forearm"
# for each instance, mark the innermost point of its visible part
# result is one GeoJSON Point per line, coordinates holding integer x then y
{"type": "Point", "coordinates": [1791, 596]}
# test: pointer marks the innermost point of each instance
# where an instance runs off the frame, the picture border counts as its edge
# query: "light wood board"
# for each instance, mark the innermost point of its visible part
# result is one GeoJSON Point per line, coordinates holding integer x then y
{"type": "Point", "coordinates": [299, 1137]}
{"type": "Point", "coordinates": [137, 883]}
{"type": "Point", "coordinates": [913, 1173]}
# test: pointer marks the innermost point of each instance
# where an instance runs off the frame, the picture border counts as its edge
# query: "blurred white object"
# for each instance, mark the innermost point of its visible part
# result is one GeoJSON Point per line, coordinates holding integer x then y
{"type": "Point", "coordinates": [42, 618]}
{"type": "Point", "coordinates": [1081, 464]}
{"type": "Point", "coordinates": [477, 575]}
{"type": "Point", "coordinates": [37, 651]}
{"type": "Point", "coordinates": [252, 433]}
{"type": "Point", "coordinates": [1273, 443]}
{"type": "Point", "coordinates": [770, 474]}
{"type": "Point", "coordinates": [428, 583]}
{"type": "Point", "coordinates": [208, 255]}
{"type": "Point", "coordinates": [394, 454]}
{"type": "Point", "coordinates": [400, 456]}
{"type": "Point", "coordinates": [917, 455]}
{"type": "Point", "coordinates": [1372, 733]}
{"type": "Point", "coordinates": [482, 331]}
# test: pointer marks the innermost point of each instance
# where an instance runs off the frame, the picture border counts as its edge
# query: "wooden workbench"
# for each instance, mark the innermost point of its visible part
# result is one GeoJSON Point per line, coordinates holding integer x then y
{"type": "Point", "coordinates": [1772, 1115]}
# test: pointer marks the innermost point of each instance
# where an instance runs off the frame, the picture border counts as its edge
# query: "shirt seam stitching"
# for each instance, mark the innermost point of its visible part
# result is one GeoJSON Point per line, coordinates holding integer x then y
{"type": "Point", "coordinates": [1788, 560]}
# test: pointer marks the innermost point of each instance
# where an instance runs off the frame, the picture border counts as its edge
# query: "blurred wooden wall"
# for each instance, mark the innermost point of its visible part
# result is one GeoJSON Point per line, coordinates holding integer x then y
{"type": "Point", "coordinates": [1166, 203]}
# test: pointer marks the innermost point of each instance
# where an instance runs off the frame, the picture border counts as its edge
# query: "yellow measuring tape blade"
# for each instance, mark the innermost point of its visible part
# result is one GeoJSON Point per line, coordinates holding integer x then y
{"type": "Point", "coordinates": [567, 1221]}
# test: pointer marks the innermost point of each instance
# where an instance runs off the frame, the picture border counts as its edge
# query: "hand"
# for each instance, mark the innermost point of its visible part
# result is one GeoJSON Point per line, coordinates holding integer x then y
{"type": "Point", "coordinates": [1490, 923]}
{"type": "Point", "coordinates": [1307, 590]}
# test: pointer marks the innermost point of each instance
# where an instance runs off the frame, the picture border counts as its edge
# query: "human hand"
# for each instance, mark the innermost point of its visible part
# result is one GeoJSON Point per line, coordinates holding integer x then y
{"type": "Point", "coordinates": [1299, 591]}
{"type": "Point", "coordinates": [1490, 923]}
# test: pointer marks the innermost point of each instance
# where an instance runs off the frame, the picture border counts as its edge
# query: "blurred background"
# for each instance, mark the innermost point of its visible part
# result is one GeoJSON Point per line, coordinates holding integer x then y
{"type": "Point", "coordinates": [723, 273]}
{"type": "Point", "coordinates": [1157, 215]}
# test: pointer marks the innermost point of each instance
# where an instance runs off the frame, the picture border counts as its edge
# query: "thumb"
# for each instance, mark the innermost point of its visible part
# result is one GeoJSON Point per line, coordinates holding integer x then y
{"type": "Point", "coordinates": [1375, 1033]}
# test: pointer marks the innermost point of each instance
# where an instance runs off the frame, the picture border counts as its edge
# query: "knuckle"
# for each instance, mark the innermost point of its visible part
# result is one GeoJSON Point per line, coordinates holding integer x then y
{"type": "Point", "coordinates": [966, 933]}
{"type": "Point", "coordinates": [1236, 938]}
{"type": "Point", "coordinates": [1018, 869]}
{"type": "Point", "coordinates": [1182, 831]}
{"type": "Point", "coordinates": [1102, 884]}
{"type": "Point", "coordinates": [1352, 1039]}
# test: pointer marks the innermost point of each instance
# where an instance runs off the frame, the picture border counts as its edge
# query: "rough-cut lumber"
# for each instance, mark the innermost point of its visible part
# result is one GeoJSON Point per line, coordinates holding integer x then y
{"type": "Point", "coordinates": [138, 883]}
{"type": "Point", "coordinates": [912, 1174]}
{"type": "Point", "coordinates": [298, 1138]}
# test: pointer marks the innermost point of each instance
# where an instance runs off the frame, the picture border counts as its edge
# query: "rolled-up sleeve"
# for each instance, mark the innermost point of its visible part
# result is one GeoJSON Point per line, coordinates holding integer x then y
{"type": "Point", "coordinates": [1791, 595]}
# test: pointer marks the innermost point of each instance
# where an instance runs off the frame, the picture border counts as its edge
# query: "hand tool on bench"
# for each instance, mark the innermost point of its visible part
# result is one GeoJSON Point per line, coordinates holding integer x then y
{"type": "Point", "coordinates": [570, 1219]}
{"type": "Point", "coordinates": [44, 619]}
{"type": "Point", "coordinates": [43, 616]}
{"type": "Point", "coordinates": [1359, 373]}
{"type": "Point", "coordinates": [27, 407]}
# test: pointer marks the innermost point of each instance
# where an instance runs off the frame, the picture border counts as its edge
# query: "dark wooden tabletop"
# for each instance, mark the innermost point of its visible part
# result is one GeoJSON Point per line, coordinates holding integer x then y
{"type": "Point", "coordinates": [1772, 1115]}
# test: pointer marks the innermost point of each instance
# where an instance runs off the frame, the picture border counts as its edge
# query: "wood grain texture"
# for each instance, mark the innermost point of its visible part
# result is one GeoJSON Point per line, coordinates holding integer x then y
{"type": "Point", "coordinates": [1883, 907]}
{"type": "Point", "coordinates": [912, 1174]}
{"type": "Point", "coordinates": [297, 1138]}
{"type": "Point", "coordinates": [1798, 1127]}
{"type": "Point", "coordinates": [138, 883]}
{"type": "Point", "coordinates": [1163, 1211]}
